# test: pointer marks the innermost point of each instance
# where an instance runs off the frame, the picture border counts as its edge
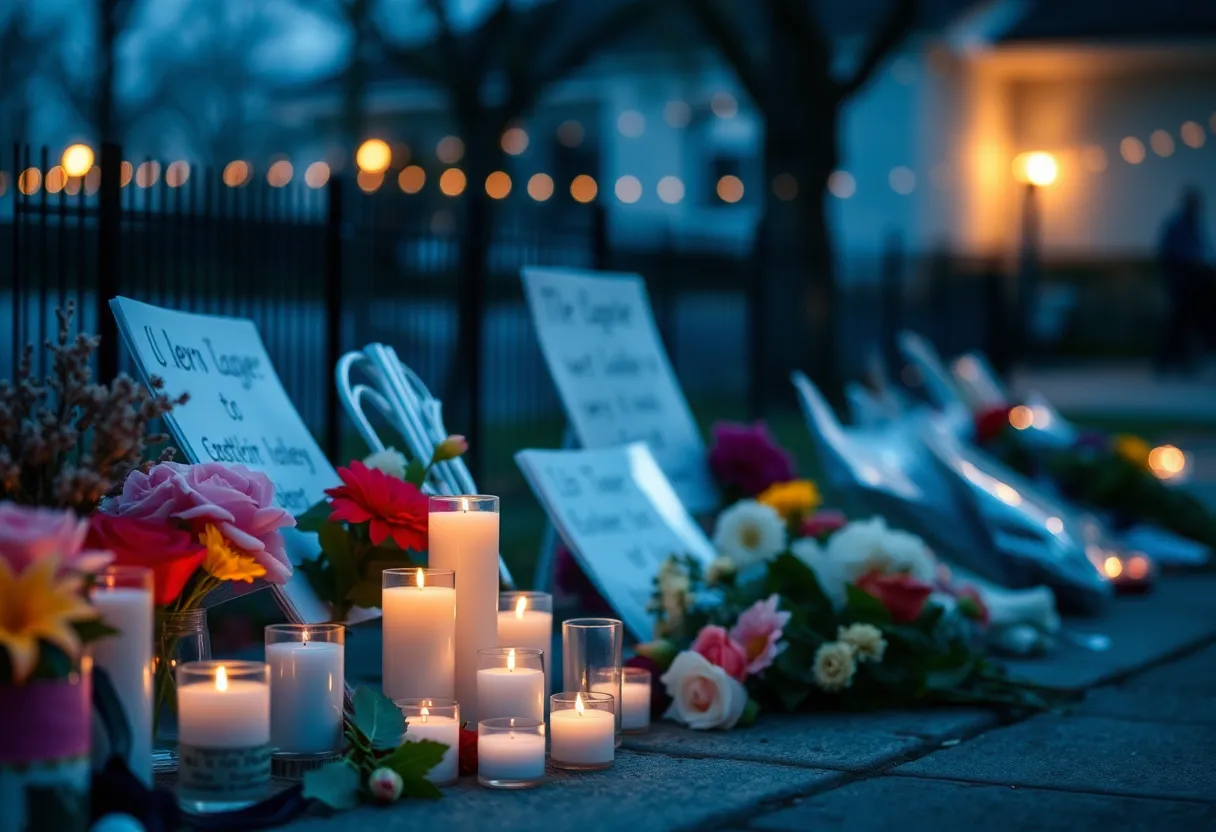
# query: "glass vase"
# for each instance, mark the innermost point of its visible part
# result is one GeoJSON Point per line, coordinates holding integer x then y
{"type": "Point", "coordinates": [44, 757]}
{"type": "Point", "coordinates": [180, 637]}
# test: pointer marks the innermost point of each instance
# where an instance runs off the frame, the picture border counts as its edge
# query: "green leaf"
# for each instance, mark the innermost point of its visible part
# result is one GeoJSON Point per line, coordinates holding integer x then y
{"type": "Point", "coordinates": [415, 473]}
{"type": "Point", "coordinates": [378, 718]}
{"type": "Point", "coordinates": [863, 607]}
{"type": "Point", "coordinates": [335, 784]}
{"type": "Point", "coordinates": [315, 519]}
{"type": "Point", "coordinates": [412, 760]}
{"type": "Point", "coordinates": [420, 787]}
{"type": "Point", "coordinates": [751, 711]}
{"type": "Point", "coordinates": [92, 629]}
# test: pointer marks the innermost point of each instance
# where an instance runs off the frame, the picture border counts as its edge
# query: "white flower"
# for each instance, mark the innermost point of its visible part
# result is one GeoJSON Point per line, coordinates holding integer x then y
{"type": "Point", "coordinates": [835, 665]}
{"type": "Point", "coordinates": [827, 572]}
{"type": "Point", "coordinates": [718, 571]}
{"type": "Point", "coordinates": [702, 695]}
{"type": "Point", "coordinates": [866, 641]}
{"type": "Point", "coordinates": [1034, 607]}
{"type": "Point", "coordinates": [869, 546]}
{"type": "Point", "coordinates": [750, 533]}
{"type": "Point", "coordinates": [390, 461]}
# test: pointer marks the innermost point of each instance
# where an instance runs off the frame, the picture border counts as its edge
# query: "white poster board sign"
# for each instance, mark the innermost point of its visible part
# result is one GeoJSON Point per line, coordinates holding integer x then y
{"type": "Point", "coordinates": [621, 519]}
{"type": "Point", "coordinates": [238, 413]}
{"type": "Point", "coordinates": [616, 383]}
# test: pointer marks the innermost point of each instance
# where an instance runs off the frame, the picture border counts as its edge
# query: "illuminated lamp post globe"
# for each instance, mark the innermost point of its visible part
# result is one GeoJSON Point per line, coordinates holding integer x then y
{"type": "Point", "coordinates": [77, 160]}
{"type": "Point", "coordinates": [1035, 170]}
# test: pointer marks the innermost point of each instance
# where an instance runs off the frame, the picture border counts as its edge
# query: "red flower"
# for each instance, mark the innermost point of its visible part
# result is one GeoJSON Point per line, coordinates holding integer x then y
{"type": "Point", "coordinates": [468, 752]}
{"type": "Point", "coordinates": [903, 596]}
{"type": "Point", "coordinates": [171, 553]}
{"type": "Point", "coordinates": [991, 422]}
{"type": "Point", "coordinates": [823, 523]}
{"type": "Point", "coordinates": [972, 605]}
{"type": "Point", "coordinates": [392, 507]}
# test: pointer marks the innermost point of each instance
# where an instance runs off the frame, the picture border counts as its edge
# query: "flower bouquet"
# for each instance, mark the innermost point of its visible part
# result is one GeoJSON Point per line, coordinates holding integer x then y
{"type": "Point", "coordinates": [370, 523]}
{"type": "Point", "coordinates": [1121, 476]}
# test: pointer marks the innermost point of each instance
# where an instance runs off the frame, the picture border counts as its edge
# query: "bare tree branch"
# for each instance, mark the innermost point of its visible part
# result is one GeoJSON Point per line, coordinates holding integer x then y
{"type": "Point", "coordinates": [897, 25]}
{"type": "Point", "coordinates": [722, 29]}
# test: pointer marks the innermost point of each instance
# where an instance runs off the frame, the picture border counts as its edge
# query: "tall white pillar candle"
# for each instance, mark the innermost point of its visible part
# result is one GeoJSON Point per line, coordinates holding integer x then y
{"type": "Point", "coordinates": [307, 683]}
{"type": "Point", "coordinates": [419, 619]}
{"type": "Point", "coordinates": [525, 619]}
{"type": "Point", "coordinates": [123, 597]}
{"type": "Point", "coordinates": [512, 685]}
{"type": "Point", "coordinates": [463, 534]}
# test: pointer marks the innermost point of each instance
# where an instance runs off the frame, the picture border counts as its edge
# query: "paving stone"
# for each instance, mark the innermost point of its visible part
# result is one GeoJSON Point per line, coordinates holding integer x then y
{"type": "Point", "coordinates": [902, 803]}
{"type": "Point", "coordinates": [1149, 706]}
{"type": "Point", "coordinates": [1095, 754]}
{"type": "Point", "coordinates": [640, 792]}
{"type": "Point", "coordinates": [1177, 615]}
{"type": "Point", "coordinates": [1195, 673]}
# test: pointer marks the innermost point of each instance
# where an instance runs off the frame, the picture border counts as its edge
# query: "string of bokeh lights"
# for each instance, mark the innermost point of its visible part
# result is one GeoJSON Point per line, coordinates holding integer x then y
{"type": "Point", "coordinates": [375, 160]}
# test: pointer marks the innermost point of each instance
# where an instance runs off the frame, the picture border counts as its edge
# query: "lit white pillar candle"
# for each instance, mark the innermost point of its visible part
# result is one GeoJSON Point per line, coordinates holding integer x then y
{"type": "Point", "coordinates": [520, 624]}
{"type": "Point", "coordinates": [419, 621]}
{"type": "Point", "coordinates": [231, 713]}
{"type": "Point", "coordinates": [463, 537]}
{"type": "Point", "coordinates": [513, 690]}
{"type": "Point", "coordinates": [437, 727]}
{"type": "Point", "coordinates": [582, 737]}
{"type": "Point", "coordinates": [307, 683]}
{"type": "Point", "coordinates": [123, 597]}
{"type": "Point", "coordinates": [635, 699]}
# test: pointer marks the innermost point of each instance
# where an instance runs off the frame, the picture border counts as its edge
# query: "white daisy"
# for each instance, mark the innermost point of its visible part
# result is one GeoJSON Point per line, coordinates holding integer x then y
{"type": "Point", "coordinates": [749, 533]}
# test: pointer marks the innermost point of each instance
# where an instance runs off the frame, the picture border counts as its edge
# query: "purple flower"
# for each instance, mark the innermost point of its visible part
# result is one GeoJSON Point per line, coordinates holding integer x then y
{"type": "Point", "coordinates": [745, 459]}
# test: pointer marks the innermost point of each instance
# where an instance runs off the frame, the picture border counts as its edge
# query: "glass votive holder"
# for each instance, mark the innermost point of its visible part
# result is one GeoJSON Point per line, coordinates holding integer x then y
{"type": "Point", "coordinates": [437, 720]}
{"type": "Point", "coordinates": [510, 753]}
{"type": "Point", "coordinates": [511, 683]}
{"type": "Point", "coordinates": [223, 735]}
{"type": "Point", "coordinates": [307, 683]}
{"type": "Point", "coordinates": [525, 619]}
{"type": "Point", "coordinates": [418, 657]}
{"type": "Point", "coordinates": [582, 729]}
{"type": "Point", "coordinates": [591, 659]}
{"type": "Point", "coordinates": [635, 701]}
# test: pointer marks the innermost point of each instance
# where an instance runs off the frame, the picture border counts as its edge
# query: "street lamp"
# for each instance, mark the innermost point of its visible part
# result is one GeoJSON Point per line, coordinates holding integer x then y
{"type": "Point", "coordinates": [77, 160]}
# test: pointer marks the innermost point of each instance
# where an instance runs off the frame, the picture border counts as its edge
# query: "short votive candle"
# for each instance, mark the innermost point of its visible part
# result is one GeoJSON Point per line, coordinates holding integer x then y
{"type": "Point", "coordinates": [437, 720]}
{"type": "Point", "coordinates": [591, 659]}
{"type": "Point", "coordinates": [307, 684]}
{"type": "Point", "coordinates": [223, 734]}
{"type": "Point", "coordinates": [582, 727]}
{"type": "Point", "coordinates": [511, 683]}
{"type": "Point", "coordinates": [510, 753]}
{"type": "Point", "coordinates": [635, 700]}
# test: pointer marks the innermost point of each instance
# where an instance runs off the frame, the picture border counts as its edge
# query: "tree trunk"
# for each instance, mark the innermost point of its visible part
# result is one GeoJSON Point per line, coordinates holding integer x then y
{"type": "Point", "coordinates": [104, 119]}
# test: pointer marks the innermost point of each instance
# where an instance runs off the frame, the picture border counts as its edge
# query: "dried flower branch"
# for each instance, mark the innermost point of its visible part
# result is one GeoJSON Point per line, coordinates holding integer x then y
{"type": "Point", "coordinates": [67, 441]}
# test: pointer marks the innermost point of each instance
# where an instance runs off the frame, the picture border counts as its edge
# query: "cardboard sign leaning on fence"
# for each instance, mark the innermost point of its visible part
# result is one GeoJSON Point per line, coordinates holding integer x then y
{"type": "Point", "coordinates": [238, 413]}
{"type": "Point", "coordinates": [621, 519]}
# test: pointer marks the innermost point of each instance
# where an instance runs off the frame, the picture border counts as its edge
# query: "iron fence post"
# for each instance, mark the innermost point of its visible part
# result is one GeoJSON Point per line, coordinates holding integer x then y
{"type": "Point", "coordinates": [333, 316]}
{"type": "Point", "coordinates": [109, 252]}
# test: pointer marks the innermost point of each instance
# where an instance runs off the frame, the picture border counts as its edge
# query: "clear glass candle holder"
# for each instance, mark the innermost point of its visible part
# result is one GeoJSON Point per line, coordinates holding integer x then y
{"type": "Point", "coordinates": [591, 659]}
{"type": "Point", "coordinates": [525, 619]}
{"type": "Point", "coordinates": [511, 683]}
{"type": "Point", "coordinates": [223, 735]}
{"type": "Point", "coordinates": [307, 683]}
{"type": "Point", "coordinates": [582, 730]}
{"type": "Point", "coordinates": [418, 657]}
{"type": "Point", "coordinates": [437, 720]}
{"type": "Point", "coordinates": [635, 700]}
{"type": "Point", "coordinates": [510, 753]}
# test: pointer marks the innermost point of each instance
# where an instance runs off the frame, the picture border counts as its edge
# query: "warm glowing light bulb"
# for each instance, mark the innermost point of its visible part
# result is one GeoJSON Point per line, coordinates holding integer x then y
{"type": "Point", "coordinates": [1113, 567]}
{"type": "Point", "coordinates": [77, 160]}
{"type": "Point", "coordinates": [374, 156]}
{"type": "Point", "coordinates": [511, 659]}
{"type": "Point", "coordinates": [221, 678]}
{"type": "Point", "coordinates": [421, 579]}
{"type": "Point", "coordinates": [578, 703]}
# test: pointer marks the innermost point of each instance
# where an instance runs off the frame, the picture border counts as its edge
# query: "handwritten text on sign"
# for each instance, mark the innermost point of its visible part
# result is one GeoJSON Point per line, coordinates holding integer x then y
{"type": "Point", "coordinates": [620, 517]}
{"type": "Point", "coordinates": [601, 344]}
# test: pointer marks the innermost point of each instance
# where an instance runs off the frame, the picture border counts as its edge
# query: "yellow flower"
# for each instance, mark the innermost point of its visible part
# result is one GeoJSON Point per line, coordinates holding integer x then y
{"type": "Point", "coordinates": [37, 605]}
{"type": "Point", "coordinates": [225, 562]}
{"type": "Point", "coordinates": [792, 499]}
{"type": "Point", "coordinates": [1134, 449]}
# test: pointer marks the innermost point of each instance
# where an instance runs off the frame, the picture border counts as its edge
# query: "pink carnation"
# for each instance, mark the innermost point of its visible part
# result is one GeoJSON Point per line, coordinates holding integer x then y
{"type": "Point", "coordinates": [29, 534]}
{"type": "Point", "coordinates": [758, 630]}
{"type": "Point", "coordinates": [237, 501]}
{"type": "Point", "coordinates": [716, 645]}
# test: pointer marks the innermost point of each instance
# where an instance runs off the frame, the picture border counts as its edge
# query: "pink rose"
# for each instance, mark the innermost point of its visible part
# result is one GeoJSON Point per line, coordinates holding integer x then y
{"type": "Point", "coordinates": [237, 501]}
{"type": "Point", "coordinates": [758, 631]}
{"type": "Point", "coordinates": [29, 534]}
{"type": "Point", "coordinates": [716, 645]}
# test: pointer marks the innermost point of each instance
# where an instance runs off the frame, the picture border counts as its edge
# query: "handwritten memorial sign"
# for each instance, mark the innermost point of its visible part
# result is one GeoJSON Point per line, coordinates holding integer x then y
{"type": "Point", "coordinates": [599, 339]}
{"type": "Point", "coordinates": [620, 517]}
{"type": "Point", "coordinates": [238, 413]}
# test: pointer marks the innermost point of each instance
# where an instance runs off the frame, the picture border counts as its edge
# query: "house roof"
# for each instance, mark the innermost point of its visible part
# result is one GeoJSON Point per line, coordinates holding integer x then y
{"type": "Point", "coordinates": [1120, 20]}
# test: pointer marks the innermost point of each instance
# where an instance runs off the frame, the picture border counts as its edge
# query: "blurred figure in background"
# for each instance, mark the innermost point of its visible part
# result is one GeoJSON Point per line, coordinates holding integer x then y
{"type": "Point", "coordinates": [1190, 285]}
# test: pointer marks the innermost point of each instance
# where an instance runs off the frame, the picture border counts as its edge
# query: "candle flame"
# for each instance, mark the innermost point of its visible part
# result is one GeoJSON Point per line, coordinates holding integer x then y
{"type": "Point", "coordinates": [578, 703]}
{"type": "Point", "coordinates": [425, 713]}
{"type": "Point", "coordinates": [421, 580]}
{"type": "Point", "coordinates": [305, 637]}
{"type": "Point", "coordinates": [520, 606]}
{"type": "Point", "coordinates": [511, 659]}
{"type": "Point", "coordinates": [464, 503]}
{"type": "Point", "coordinates": [221, 678]}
